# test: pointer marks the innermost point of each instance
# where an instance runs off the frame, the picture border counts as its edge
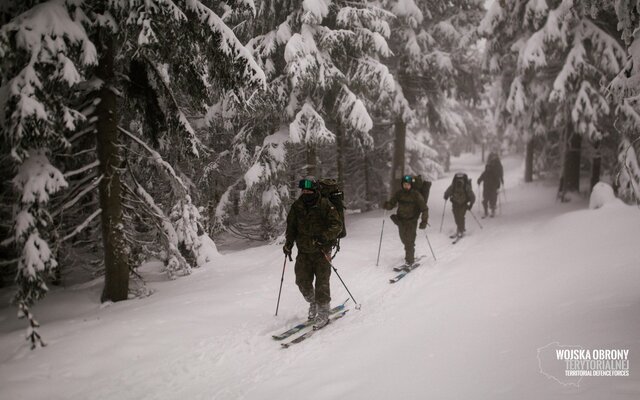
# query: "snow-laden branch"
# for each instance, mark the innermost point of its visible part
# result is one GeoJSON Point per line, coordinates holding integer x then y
{"type": "Point", "coordinates": [80, 195]}
{"type": "Point", "coordinates": [157, 158]}
{"type": "Point", "coordinates": [81, 170]}
{"type": "Point", "coordinates": [83, 225]}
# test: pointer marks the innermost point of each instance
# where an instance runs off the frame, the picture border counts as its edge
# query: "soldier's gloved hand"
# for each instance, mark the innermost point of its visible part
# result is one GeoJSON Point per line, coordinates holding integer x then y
{"type": "Point", "coordinates": [423, 224]}
{"type": "Point", "coordinates": [319, 241]}
{"type": "Point", "coordinates": [469, 206]}
{"type": "Point", "coordinates": [287, 251]}
{"type": "Point", "coordinates": [446, 197]}
{"type": "Point", "coordinates": [478, 181]}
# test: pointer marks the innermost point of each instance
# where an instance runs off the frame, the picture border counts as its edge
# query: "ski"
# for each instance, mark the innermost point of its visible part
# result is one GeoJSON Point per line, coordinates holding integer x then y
{"type": "Point", "coordinates": [404, 273]}
{"type": "Point", "coordinates": [310, 333]}
{"type": "Point", "coordinates": [303, 325]}
{"type": "Point", "coordinates": [406, 266]}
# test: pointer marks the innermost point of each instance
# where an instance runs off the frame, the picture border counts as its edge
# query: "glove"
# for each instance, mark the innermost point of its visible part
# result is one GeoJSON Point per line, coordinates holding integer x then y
{"type": "Point", "coordinates": [423, 224]}
{"type": "Point", "coordinates": [446, 197]}
{"type": "Point", "coordinates": [287, 251]}
{"type": "Point", "coordinates": [319, 241]}
{"type": "Point", "coordinates": [469, 206]}
{"type": "Point", "coordinates": [478, 181]}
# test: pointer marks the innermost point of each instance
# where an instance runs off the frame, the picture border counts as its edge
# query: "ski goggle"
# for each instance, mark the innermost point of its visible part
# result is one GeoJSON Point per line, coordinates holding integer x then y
{"type": "Point", "coordinates": [407, 178]}
{"type": "Point", "coordinates": [307, 184]}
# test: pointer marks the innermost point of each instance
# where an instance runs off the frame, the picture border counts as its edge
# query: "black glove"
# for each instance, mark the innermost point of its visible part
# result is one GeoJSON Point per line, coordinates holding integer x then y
{"type": "Point", "coordinates": [287, 251]}
{"type": "Point", "coordinates": [469, 206]}
{"type": "Point", "coordinates": [478, 181]}
{"type": "Point", "coordinates": [423, 224]}
{"type": "Point", "coordinates": [319, 241]}
{"type": "Point", "coordinates": [446, 197]}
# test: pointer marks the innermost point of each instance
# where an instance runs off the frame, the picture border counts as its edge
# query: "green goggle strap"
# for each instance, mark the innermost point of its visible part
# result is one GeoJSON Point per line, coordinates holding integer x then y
{"type": "Point", "coordinates": [305, 184]}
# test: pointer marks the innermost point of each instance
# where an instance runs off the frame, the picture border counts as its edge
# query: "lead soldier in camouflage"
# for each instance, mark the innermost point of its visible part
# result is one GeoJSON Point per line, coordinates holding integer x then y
{"type": "Point", "coordinates": [411, 206]}
{"type": "Point", "coordinates": [313, 224]}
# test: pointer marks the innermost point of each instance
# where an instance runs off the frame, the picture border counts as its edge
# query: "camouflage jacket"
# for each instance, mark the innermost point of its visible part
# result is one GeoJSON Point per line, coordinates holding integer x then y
{"type": "Point", "coordinates": [492, 175]}
{"type": "Point", "coordinates": [462, 194]}
{"type": "Point", "coordinates": [306, 225]}
{"type": "Point", "coordinates": [410, 205]}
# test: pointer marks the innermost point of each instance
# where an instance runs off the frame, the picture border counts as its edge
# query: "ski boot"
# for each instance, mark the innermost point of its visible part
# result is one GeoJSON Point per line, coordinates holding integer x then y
{"type": "Point", "coordinates": [322, 318]}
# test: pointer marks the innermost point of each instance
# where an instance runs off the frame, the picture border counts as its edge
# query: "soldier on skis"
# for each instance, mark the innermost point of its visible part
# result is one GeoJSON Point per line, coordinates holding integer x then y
{"type": "Point", "coordinates": [492, 177]}
{"type": "Point", "coordinates": [411, 206]}
{"type": "Point", "coordinates": [313, 224]}
{"type": "Point", "coordinates": [462, 199]}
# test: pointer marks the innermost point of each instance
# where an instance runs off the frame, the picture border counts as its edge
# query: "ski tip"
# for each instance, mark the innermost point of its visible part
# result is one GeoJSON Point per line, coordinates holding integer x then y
{"type": "Point", "coordinates": [358, 306]}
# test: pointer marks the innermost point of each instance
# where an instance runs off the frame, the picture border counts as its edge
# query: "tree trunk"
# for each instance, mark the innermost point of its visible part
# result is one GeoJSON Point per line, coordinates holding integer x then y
{"type": "Point", "coordinates": [572, 164]}
{"type": "Point", "coordinates": [312, 159]}
{"type": "Point", "coordinates": [340, 153]}
{"type": "Point", "coordinates": [528, 164]}
{"type": "Point", "coordinates": [367, 191]}
{"type": "Point", "coordinates": [397, 168]}
{"type": "Point", "coordinates": [116, 282]}
{"type": "Point", "coordinates": [447, 161]}
{"type": "Point", "coordinates": [596, 164]}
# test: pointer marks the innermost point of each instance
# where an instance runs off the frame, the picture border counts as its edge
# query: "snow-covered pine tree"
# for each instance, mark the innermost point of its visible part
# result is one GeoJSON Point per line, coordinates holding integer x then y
{"type": "Point", "coordinates": [322, 64]}
{"type": "Point", "coordinates": [562, 56]}
{"type": "Point", "coordinates": [626, 92]}
{"type": "Point", "coordinates": [432, 46]}
{"type": "Point", "coordinates": [64, 68]}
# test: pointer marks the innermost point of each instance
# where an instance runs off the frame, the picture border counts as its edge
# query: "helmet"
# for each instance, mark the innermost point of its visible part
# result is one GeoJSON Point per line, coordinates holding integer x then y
{"type": "Point", "coordinates": [407, 179]}
{"type": "Point", "coordinates": [308, 183]}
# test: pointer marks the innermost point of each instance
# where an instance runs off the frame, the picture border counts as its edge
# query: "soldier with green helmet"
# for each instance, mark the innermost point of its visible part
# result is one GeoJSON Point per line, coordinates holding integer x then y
{"type": "Point", "coordinates": [411, 206]}
{"type": "Point", "coordinates": [313, 224]}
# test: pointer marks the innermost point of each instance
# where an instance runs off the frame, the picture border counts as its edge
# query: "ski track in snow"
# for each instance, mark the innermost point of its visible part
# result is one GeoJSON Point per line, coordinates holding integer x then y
{"type": "Point", "coordinates": [442, 332]}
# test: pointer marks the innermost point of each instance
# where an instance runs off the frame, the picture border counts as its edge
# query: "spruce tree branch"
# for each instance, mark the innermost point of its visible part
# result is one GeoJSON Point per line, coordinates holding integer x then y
{"type": "Point", "coordinates": [73, 201]}
{"type": "Point", "coordinates": [83, 225]}
{"type": "Point", "coordinates": [159, 160]}
{"type": "Point", "coordinates": [81, 170]}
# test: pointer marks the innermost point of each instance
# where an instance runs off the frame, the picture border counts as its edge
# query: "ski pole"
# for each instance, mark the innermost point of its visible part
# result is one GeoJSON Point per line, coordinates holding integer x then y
{"type": "Point", "coordinates": [429, 242]}
{"type": "Point", "coordinates": [443, 210]}
{"type": "Point", "coordinates": [358, 305]}
{"type": "Point", "coordinates": [281, 281]}
{"type": "Point", "coordinates": [384, 216]}
{"type": "Point", "coordinates": [474, 217]}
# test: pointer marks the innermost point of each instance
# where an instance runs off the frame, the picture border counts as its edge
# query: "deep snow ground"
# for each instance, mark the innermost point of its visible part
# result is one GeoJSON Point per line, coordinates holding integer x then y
{"type": "Point", "coordinates": [466, 326]}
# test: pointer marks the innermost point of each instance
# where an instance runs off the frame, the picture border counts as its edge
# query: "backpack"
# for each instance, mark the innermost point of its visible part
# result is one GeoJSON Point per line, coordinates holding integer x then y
{"type": "Point", "coordinates": [422, 186]}
{"type": "Point", "coordinates": [330, 189]}
{"type": "Point", "coordinates": [461, 185]}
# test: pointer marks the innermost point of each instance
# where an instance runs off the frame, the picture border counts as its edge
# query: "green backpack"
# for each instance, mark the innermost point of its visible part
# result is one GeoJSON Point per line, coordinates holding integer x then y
{"type": "Point", "coordinates": [422, 186]}
{"type": "Point", "coordinates": [330, 189]}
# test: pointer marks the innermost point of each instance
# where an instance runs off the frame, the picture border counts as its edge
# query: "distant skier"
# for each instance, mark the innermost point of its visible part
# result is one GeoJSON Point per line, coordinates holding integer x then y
{"type": "Point", "coordinates": [462, 199]}
{"type": "Point", "coordinates": [411, 206]}
{"type": "Point", "coordinates": [493, 177]}
{"type": "Point", "coordinates": [313, 224]}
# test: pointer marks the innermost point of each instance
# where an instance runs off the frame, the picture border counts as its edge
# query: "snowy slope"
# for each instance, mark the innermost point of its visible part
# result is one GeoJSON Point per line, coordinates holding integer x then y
{"type": "Point", "coordinates": [465, 327]}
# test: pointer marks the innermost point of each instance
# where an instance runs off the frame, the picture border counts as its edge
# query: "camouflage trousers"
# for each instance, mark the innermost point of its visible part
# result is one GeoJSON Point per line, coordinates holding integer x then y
{"type": "Point", "coordinates": [459, 210]}
{"type": "Point", "coordinates": [310, 266]}
{"type": "Point", "coordinates": [407, 229]}
{"type": "Point", "coordinates": [489, 199]}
